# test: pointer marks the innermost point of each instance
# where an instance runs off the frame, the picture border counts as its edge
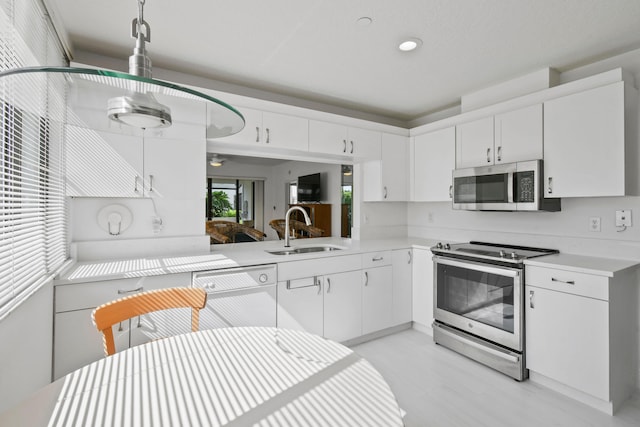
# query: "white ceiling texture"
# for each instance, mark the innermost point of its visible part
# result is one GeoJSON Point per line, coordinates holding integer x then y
{"type": "Point", "coordinates": [317, 50]}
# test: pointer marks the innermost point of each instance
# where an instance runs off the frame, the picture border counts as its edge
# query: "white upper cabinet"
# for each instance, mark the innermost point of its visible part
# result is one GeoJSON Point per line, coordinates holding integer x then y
{"type": "Point", "coordinates": [102, 164]}
{"type": "Point", "coordinates": [518, 135]}
{"type": "Point", "coordinates": [251, 134]}
{"type": "Point", "coordinates": [364, 144]}
{"type": "Point", "coordinates": [474, 143]}
{"type": "Point", "coordinates": [434, 158]}
{"type": "Point", "coordinates": [584, 143]}
{"type": "Point", "coordinates": [284, 131]}
{"type": "Point", "coordinates": [329, 138]}
{"type": "Point", "coordinates": [387, 179]}
{"type": "Point", "coordinates": [174, 168]}
{"type": "Point", "coordinates": [266, 129]}
{"type": "Point", "coordinates": [509, 137]}
{"type": "Point", "coordinates": [341, 140]}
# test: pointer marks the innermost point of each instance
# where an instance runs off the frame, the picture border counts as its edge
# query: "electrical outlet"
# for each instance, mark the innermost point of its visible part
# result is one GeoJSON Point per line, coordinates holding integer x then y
{"type": "Point", "coordinates": [430, 217]}
{"type": "Point", "coordinates": [594, 223]}
{"type": "Point", "coordinates": [623, 218]}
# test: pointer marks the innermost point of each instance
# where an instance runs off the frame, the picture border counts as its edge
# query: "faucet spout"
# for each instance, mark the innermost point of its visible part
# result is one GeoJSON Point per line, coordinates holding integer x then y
{"type": "Point", "coordinates": [287, 217]}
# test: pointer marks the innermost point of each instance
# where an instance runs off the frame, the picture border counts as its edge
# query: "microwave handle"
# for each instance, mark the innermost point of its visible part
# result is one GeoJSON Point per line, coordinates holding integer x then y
{"type": "Point", "coordinates": [511, 187]}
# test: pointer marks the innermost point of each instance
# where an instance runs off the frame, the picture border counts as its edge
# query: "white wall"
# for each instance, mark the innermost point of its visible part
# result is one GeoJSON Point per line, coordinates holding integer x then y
{"type": "Point", "coordinates": [26, 348]}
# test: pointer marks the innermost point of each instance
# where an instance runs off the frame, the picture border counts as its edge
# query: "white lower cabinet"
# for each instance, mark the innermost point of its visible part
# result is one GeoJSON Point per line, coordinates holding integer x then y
{"type": "Point", "coordinates": [345, 297]}
{"type": "Point", "coordinates": [342, 306]}
{"type": "Point", "coordinates": [580, 336]}
{"type": "Point", "coordinates": [377, 291]}
{"type": "Point", "coordinates": [567, 338]}
{"type": "Point", "coordinates": [328, 305]}
{"type": "Point", "coordinates": [422, 289]}
{"type": "Point", "coordinates": [77, 342]}
{"type": "Point", "coordinates": [301, 305]}
{"type": "Point", "coordinates": [402, 263]}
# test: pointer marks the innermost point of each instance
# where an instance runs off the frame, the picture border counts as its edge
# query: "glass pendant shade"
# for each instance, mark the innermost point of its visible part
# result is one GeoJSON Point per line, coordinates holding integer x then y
{"type": "Point", "coordinates": [118, 102]}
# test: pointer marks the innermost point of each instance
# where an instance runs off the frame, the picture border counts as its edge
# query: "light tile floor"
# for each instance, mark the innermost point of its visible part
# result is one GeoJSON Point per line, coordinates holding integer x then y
{"type": "Point", "coordinates": [438, 387]}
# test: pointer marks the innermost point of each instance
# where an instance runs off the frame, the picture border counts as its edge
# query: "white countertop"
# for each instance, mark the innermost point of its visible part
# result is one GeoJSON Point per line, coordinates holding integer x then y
{"type": "Point", "coordinates": [583, 264]}
{"type": "Point", "coordinates": [225, 256]}
{"type": "Point", "coordinates": [255, 253]}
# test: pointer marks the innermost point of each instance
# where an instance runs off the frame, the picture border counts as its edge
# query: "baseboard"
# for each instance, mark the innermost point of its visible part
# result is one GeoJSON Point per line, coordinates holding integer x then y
{"type": "Point", "coordinates": [423, 328]}
{"type": "Point", "coordinates": [375, 335]}
{"type": "Point", "coordinates": [601, 405]}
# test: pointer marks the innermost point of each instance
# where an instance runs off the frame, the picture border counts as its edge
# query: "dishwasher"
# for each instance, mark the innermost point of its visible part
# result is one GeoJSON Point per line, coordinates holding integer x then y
{"type": "Point", "coordinates": [242, 296]}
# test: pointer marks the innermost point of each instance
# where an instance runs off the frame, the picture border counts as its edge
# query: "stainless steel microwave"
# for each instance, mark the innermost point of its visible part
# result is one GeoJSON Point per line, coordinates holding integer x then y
{"type": "Point", "coordinates": [504, 187]}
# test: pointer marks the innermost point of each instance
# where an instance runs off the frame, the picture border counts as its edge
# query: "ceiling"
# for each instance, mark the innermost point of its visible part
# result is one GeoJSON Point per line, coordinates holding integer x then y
{"type": "Point", "coordinates": [316, 50]}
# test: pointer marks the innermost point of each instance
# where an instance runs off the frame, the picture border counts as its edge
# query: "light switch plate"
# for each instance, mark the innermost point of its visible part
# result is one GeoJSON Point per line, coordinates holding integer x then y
{"type": "Point", "coordinates": [623, 218]}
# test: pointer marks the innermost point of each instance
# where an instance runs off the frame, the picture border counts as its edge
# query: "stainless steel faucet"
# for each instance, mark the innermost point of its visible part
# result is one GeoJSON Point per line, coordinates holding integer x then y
{"type": "Point", "coordinates": [307, 220]}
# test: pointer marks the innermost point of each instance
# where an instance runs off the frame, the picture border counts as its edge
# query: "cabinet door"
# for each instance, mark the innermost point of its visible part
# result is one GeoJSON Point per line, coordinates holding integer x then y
{"type": "Point", "coordinates": [342, 306]}
{"type": "Point", "coordinates": [568, 339]}
{"type": "Point", "coordinates": [584, 143]}
{"type": "Point", "coordinates": [175, 169]}
{"type": "Point", "coordinates": [387, 179]}
{"type": "Point", "coordinates": [76, 339]}
{"type": "Point", "coordinates": [284, 131]}
{"type": "Point", "coordinates": [77, 342]}
{"type": "Point", "coordinates": [433, 162]}
{"type": "Point", "coordinates": [377, 297]}
{"type": "Point", "coordinates": [422, 288]}
{"type": "Point", "coordinates": [103, 164]}
{"type": "Point", "coordinates": [251, 134]}
{"type": "Point", "coordinates": [474, 143]}
{"type": "Point", "coordinates": [300, 305]}
{"type": "Point", "coordinates": [518, 135]}
{"type": "Point", "coordinates": [402, 260]}
{"type": "Point", "coordinates": [329, 138]}
{"type": "Point", "coordinates": [364, 144]}
{"type": "Point", "coordinates": [395, 167]}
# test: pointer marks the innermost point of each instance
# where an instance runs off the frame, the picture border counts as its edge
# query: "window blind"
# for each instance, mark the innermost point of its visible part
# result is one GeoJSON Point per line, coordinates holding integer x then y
{"type": "Point", "coordinates": [32, 202]}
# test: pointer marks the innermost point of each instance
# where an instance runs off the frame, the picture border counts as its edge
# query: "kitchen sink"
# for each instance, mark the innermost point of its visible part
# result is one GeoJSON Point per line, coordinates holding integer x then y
{"type": "Point", "coordinates": [306, 250]}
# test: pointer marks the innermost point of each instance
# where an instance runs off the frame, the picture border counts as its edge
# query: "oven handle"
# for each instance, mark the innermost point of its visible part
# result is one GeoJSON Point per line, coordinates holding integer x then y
{"type": "Point", "coordinates": [478, 266]}
{"type": "Point", "coordinates": [493, 351]}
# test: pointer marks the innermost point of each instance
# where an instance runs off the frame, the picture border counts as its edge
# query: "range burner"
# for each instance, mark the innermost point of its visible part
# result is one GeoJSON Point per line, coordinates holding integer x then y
{"type": "Point", "coordinates": [491, 251]}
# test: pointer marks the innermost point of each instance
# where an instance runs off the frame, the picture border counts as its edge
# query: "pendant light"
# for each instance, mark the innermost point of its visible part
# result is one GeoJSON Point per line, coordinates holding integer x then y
{"type": "Point", "coordinates": [112, 101]}
{"type": "Point", "coordinates": [138, 109]}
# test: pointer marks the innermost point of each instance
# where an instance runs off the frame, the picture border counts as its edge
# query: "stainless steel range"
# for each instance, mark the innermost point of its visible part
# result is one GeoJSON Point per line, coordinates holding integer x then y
{"type": "Point", "coordinates": [479, 300]}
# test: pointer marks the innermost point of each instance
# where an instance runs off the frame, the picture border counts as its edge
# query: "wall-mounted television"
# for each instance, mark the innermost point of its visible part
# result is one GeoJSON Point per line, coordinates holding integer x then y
{"type": "Point", "coordinates": [309, 188]}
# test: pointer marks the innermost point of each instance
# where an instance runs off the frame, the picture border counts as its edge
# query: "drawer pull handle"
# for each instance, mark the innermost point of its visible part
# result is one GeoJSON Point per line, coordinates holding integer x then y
{"type": "Point", "coordinates": [120, 291]}
{"type": "Point", "coordinates": [378, 258]}
{"type": "Point", "coordinates": [568, 282]}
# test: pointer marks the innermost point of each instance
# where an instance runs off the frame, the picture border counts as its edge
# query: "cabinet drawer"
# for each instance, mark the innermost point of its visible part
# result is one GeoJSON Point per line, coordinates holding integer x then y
{"type": "Point", "coordinates": [90, 295]}
{"type": "Point", "coordinates": [376, 259]}
{"type": "Point", "coordinates": [587, 285]}
{"type": "Point", "coordinates": [317, 267]}
{"type": "Point", "coordinates": [301, 283]}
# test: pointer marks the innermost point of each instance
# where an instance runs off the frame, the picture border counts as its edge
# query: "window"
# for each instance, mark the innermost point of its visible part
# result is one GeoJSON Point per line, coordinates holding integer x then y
{"type": "Point", "coordinates": [32, 203]}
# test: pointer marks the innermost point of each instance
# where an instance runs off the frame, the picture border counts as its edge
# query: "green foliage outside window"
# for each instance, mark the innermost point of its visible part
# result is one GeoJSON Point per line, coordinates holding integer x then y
{"type": "Point", "coordinates": [220, 205]}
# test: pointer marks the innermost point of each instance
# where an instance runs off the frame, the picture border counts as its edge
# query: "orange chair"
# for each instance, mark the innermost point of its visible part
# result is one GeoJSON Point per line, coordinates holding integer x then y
{"type": "Point", "coordinates": [111, 313]}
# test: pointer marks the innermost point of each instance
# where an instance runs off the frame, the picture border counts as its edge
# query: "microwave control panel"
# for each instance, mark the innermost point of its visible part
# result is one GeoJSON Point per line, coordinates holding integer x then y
{"type": "Point", "coordinates": [524, 187]}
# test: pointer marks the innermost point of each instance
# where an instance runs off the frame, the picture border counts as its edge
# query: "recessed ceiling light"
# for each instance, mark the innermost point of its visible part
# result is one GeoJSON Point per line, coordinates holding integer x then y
{"type": "Point", "coordinates": [364, 21]}
{"type": "Point", "coordinates": [410, 44]}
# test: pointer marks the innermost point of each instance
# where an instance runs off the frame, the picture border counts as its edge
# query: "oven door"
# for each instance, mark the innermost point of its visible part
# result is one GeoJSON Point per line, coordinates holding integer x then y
{"type": "Point", "coordinates": [482, 299]}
